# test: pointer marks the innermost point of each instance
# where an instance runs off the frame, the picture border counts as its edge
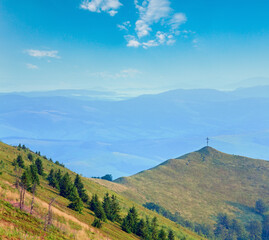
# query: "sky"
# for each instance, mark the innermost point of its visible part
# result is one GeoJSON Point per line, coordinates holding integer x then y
{"type": "Point", "coordinates": [148, 45]}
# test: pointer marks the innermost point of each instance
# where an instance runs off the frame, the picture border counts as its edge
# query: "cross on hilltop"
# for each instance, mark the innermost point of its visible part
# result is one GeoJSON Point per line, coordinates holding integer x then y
{"type": "Point", "coordinates": [207, 141]}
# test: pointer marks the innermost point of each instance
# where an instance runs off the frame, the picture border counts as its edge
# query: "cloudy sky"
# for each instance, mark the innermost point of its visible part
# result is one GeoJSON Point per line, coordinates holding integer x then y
{"type": "Point", "coordinates": [136, 44]}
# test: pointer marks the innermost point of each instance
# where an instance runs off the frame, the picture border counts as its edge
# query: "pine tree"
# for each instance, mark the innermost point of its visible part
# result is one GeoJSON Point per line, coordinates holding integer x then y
{"type": "Point", "coordinates": [30, 157]}
{"type": "Point", "coordinates": [162, 235]}
{"type": "Point", "coordinates": [93, 203]}
{"type": "Point", "coordinates": [73, 193]}
{"type": "Point", "coordinates": [115, 209]}
{"type": "Point", "coordinates": [141, 229]}
{"type": "Point", "coordinates": [99, 211]}
{"type": "Point", "coordinates": [107, 206]}
{"type": "Point", "coordinates": [26, 179]}
{"type": "Point", "coordinates": [238, 229]}
{"type": "Point", "coordinates": [265, 228]}
{"type": "Point", "coordinates": [134, 219]}
{"type": "Point", "coordinates": [80, 187]}
{"type": "Point", "coordinates": [20, 162]}
{"type": "Point", "coordinates": [260, 207]}
{"type": "Point", "coordinates": [154, 229]}
{"type": "Point", "coordinates": [255, 230]}
{"type": "Point", "coordinates": [34, 174]}
{"type": "Point", "coordinates": [76, 204]}
{"type": "Point", "coordinates": [39, 165]}
{"type": "Point", "coordinates": [58, 176]}
{"type": "Point", "coordinates": [130, 222]}
{"type": "Point", "coordinates": [125, 225]}
{"type": "Point", "coordinates": [171, 235]}
{"type": "Point", "coordinates": [65, 185]}
{"type": "Point", "coordinates": [97, 223]}
{"type": "Point", "coordinates": [52, 179]}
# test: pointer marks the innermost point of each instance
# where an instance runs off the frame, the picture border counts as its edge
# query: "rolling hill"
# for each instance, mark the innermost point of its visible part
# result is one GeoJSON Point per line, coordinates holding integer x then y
{"type": "Point", "coordinates": [201, 184]}
{"type": "Point", "coordinates": [67, 224]}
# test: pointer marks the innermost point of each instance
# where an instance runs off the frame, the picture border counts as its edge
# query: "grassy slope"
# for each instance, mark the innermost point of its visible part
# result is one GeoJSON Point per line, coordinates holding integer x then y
{"type": "Point", "coordinates": [201, 184]}
{"type": "Point", "coordinates": [68, 222]}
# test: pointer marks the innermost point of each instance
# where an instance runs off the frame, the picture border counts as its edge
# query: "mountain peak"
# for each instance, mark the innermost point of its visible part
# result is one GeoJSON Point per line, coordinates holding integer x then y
{"type": "Point", "coordinates": [208, 150]}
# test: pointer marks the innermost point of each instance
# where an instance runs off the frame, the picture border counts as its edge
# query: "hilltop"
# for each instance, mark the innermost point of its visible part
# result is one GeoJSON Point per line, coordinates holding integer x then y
{"type": "Point", "coordinates": [201, 184]}
{"type": "Point", "coordinates": [67, 223]}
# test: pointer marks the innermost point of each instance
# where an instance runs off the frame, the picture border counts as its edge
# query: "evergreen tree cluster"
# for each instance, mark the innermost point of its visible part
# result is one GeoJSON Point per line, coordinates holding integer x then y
{"type": "Point", "coordinates": [74, 191]}
{"type": "Point", "coordinates": [226, 228]}
{"type": "Point", "coordinates": [30, 177]}
{"type": "Point", "coordinates": [107, 177]}
{"type": "Point", "coordinates": [108, 209]}
{"type": "Point", "coordinates": [201, 229]}
{"type": "Point", "coordinates": [145, 229]}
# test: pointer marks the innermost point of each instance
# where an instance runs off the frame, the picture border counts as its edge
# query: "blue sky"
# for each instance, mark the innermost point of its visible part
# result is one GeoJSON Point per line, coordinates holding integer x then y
{"type": "Point", "coordinates": [135, 45]}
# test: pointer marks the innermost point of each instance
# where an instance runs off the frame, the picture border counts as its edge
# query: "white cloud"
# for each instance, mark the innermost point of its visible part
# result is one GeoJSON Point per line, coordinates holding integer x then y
{"type": "Point", "coordinates": [157, 24]}
{"type": "Point", "coordinates": [150, 43]}
{"type": "Point", "coordinates": [133, 43]}
{"type": "Point", "coordinates": [150, 11]}
{"type": "Point", "coordinates": [109, 6]}
{"type": "Point", "coordinates": [177, 20]}
{"type": "Point", "coordinates": [31, 66]}
{"type": "Point", "coordinates": [41, 54]}
{"type": "Point", "coordinates": [124, 26]}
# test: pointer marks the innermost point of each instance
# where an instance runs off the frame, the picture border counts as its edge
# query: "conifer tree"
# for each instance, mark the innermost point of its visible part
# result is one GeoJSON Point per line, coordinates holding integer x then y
{"type": "Point", "coordinates": [34, 174]}
{"type": "Point", "coordinates": [265, 228]}
{"type": "Point", "coordinates": [30, 157]}
{"type": "Point", "coordinates": [26, 179]}
{"type": "Point", "coordinates": [93, 202]}
{"type": "Point", "coordinates": [171, 235]}
{"type": "Point", "coordinates": [97, 223]}
{"type": "Point", "coordinates": [76, 204]}
{"type": "Point", "coordinates": [80, 187]}
{"type": "Point", "coordinates": [255, 230]}
{"type": "Point", "coordinates": [39, 165]}
{"type": "Point", "coordinates": [134, 219]}
{"type": "Point", "coordinates": [162, 235]}
{"type": "Point", "coordinates": [154, 229]}
{"type": "Point", "coordinates": [130, 222]}
{"type": "Point", "coordinates": [20, 162]}
{"type": "Point", "coordinates": [260, 207]}
{"type": "Point", "coordinates": [96, 206]}
{"type": "Point", "coordinates": [107, 206]}
{"type": "Point", "coordinates": [125, 225]}
{"type": "Point", "coordinates": [58, 176]}
{"type": "Point", "coordinates": [73, 194]}
{"type": "Point", "coordinates": [141, 229]}
{"type": "Point", "coordinates": [51, 175]}
{"type": "Point", "coordinates": [52, 179]}
{"type": "Point", "coordinates": [99, 212]}
{"type": "Point", "coordinates": [115, 209]}
{"type": "Point", "coordinates": [65, 185]}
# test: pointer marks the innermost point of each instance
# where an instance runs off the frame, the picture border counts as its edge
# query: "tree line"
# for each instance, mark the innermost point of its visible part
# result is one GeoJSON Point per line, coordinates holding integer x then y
{"type": "Point", "coordinates": [226, 228]}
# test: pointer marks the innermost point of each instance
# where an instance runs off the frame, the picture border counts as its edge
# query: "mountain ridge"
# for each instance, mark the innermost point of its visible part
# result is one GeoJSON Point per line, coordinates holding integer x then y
{"type": "Point", "coordinates": [203, 183]}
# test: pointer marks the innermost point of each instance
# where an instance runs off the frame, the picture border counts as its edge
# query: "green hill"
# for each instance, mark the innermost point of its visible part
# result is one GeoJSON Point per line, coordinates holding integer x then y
{"type": "Point", "coordinates": [201, 184]}
{"type": "Point", "coordinates": [66, 224]}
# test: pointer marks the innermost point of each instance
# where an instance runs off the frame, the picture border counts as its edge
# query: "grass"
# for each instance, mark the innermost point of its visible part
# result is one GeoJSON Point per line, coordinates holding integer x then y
{"type": "Point", "coordinates": [202, 184]}
{"type": "Point", "coordinates": [66, 221]}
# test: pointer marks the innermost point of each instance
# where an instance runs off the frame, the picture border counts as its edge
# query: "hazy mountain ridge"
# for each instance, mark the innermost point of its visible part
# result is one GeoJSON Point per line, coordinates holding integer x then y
{"type": "Point", "coordinates": [146, 129]}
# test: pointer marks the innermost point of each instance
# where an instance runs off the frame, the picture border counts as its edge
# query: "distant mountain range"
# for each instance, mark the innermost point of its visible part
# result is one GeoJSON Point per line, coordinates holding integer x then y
{"type": "Point", "coordinates": [85, 130]}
